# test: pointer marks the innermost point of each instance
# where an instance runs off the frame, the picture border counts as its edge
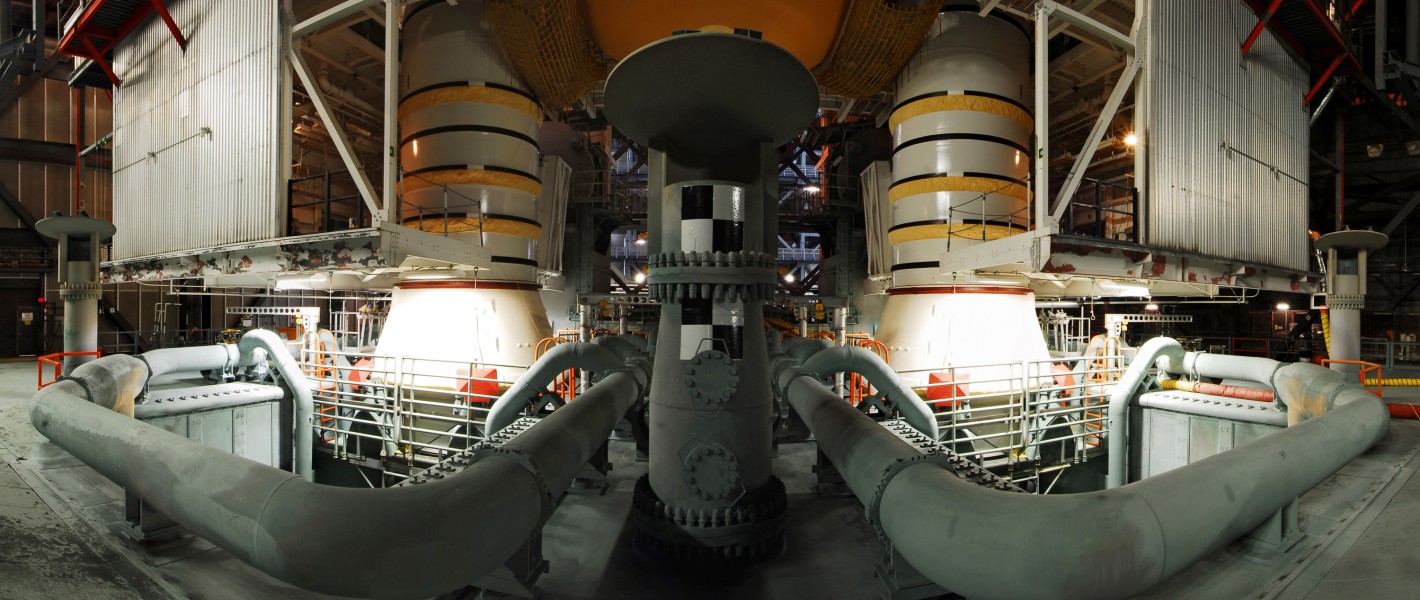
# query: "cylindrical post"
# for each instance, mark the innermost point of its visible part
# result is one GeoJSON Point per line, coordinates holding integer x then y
{"type": "Point", "coordinates": [1412, 31]}
{"type": "Point", "coordinates": [78, 278]}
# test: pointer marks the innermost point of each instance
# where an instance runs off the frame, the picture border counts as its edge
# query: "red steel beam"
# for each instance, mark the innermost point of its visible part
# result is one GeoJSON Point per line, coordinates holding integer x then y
{"type": "Point", "coordinates": [1321, 81]}
{"type": "Point", "coordinates": [1261, 25]}
{"type": "Point", "coordinates": [67, 42]}
{"type": "Point", "coordinates": [182, 41]}
{"type": "Point", "coordinates": [99, 59]}
{"type": "Point", "coordinates": [1331, 30]}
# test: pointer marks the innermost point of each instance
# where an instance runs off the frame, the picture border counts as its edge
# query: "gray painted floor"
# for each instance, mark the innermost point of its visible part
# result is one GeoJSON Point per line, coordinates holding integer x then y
{"type": "Point", "coordinates": [61, 536]}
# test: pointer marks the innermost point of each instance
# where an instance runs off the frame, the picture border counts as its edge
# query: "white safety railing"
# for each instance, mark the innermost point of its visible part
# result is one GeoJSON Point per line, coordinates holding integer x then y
{"type": "Point", "coordinates": [414, 411]}
{"type": "Point", "coordinates": [1025, 420]}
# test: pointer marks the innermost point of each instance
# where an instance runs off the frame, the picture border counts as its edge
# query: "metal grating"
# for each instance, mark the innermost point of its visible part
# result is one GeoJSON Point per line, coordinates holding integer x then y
{"type": "Point", "coordinates": [878, 37]}
{"type": "Point", "coordinates": [547, 43]}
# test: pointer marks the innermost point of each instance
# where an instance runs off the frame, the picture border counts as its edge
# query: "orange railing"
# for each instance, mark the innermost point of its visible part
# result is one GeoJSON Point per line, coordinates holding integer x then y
{"type": "Point", "coordinates": [565, 385]}
{"type": "Point", "coordinates": [1369, 372]}
{"type": "Point", "coordinates": [858, 386]}
{"type": "Point", "coordinates": [55, 359]}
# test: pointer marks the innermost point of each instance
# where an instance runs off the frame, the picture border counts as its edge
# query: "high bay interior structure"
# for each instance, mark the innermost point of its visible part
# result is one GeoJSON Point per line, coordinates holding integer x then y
{"type": "Point", "coordinates": [889, 299]}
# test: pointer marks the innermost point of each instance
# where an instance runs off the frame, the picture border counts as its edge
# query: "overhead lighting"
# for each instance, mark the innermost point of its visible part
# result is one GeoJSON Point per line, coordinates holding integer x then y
{"type": "Point", "coordinates": [1284, 306]}
{"type": "Point", "coordinates": [1131, 140]}
{"type": "Point", "coordinates": [812, 189]}
{"type": "Point", "coordinates": [1412, 148]}
{"type": "Point", "coordinates": [788, 278]}
{"type": "Point", "coordinates": [1151, 307]}
{"type": "Point", "coordinates": [299, 281]}
{"type": "Point", "coordinates": [1374, 150]}
{"type": "Point", "coordinates": [1057, 304]}
{"type": "Point", "coordinates": [639, 276]}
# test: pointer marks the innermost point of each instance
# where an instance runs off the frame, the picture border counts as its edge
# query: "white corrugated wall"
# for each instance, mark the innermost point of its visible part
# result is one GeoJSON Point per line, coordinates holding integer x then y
{"type": "Point", "coordinates": [173, 188]}
{"type": "Point", "coordinates": [1203, 198]}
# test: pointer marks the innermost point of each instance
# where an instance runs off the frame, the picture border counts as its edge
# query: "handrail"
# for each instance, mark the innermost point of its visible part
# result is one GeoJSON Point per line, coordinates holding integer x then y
{"type": "Point", "coordinates": [300, 532]}
{"type": "Point", "coordinates": [53, 359]}
{"type": "Point", "coordinates": [1115, 543]}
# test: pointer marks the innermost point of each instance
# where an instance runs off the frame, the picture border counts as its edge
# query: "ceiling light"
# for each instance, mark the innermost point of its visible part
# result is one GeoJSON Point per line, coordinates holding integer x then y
{"type": "Point", "coordinates": [1131, 140]}
{"type": "Point", "coordinates": [1374, 150]}
{"type": "Point", "coordinates": [638, 277]}
{"type": "Point", "coordinates": [812, 189]}
{"type": "Point", "coordinates": [788, 278]}
{"type": "Point", "coordinates": [1151, 307]}
{"type": "Point", "coordinates": [640, 241]}
{"type": "Point", "coordinates": [1284, 306]}
{"type": "Point", "coordinates": [1412, 148]}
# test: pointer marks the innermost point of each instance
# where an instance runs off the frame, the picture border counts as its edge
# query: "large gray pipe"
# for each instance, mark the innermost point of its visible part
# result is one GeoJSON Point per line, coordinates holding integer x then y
{"type": "Point", "coordinates": [254, 347]}
{"type": "Point", "coordinates": [428, 539]}
{"type": "Point", "coordinates": [581, 356]}
{"type": "Point", "coordinates": [1101, 545]}
{"type": "Point", "coordinates": [1221, 366]}
{"type": "Point", "coordinates": [1119, 397]}
{"type": "Point", "coordinates": [853, 359]}
{"type": "Point", "coordinates": [302, 405]}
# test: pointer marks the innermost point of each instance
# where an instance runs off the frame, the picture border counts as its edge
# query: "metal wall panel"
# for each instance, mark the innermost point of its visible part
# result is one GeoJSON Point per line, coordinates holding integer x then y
{"type": "Point", "coordinates": [1170, 440]}
{"type": "Point", "coordinates": [174, 187]}
{"type": "Point", "coordinates": [1205, 99]}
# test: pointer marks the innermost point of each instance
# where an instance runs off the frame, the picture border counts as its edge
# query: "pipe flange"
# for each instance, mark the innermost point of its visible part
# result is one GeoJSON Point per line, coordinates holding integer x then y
{"type": "Point", "coordinates": [711, 377]}
{"type": "Point", "coordinates": [549, 501]}
{"type": "Point", "coordinates": [80, 291]}
{"type": "Point", "coordinates": [749, 532]}
{"type": "Point", "coordinates": [712, 473]}
{"type": "Point", "coordinates": [742, 276]}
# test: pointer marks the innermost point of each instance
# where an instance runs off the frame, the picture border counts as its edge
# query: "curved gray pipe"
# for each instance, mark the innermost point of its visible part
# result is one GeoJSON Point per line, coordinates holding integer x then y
{"type": "Point", "coordinates": [620, 345]}
{"type": "Point", "coordinates": [560, 358]}
{"type": "Point", "coordinates": [1119, 398]}
{"type": "Point", "coordinates": [302, 404]}
{"type": "Point", "coordinates": [1110, 544]}
{"type": "Point", "coordinates": [429, 538]}
{"type": "Point", "coordinates": [863, 362]}
{"type": "Point", "coordinates": [801, 348]}
{"type": "Point", "coordinates": [1222, 366]}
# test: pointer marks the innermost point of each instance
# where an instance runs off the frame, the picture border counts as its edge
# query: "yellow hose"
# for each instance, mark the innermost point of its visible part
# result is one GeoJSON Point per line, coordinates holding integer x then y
{"type": "Point", "coordinates": [1176, 384]}
{"type": "Point", "coordinates": [1394, 382]}
{"type": "Point", "coordinates": [1326, 330]}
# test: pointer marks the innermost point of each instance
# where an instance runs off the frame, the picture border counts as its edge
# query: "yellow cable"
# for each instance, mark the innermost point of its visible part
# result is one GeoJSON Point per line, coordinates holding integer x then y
{"type": "Point", "coordinates": [1326, 330]}
{"type": "Point", "coordinates": [1394, 382]}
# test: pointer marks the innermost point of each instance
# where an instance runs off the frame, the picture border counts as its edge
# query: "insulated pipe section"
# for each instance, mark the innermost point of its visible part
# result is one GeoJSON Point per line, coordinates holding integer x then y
{"type": "Point", "coordinates": [302, 405]}
{"type": "Point", "coordinates": [863, 362]}
{"type": "Point", "coordinates": [560, 358]}
{"type": "Point", "coordinates": [301, 532]}
{"type": "Point", "coordinates": [1124, 390]}
{"type": "Point", "coordinates": [801, 348]}
{"type": "Point", "coordinates": [1110, 544]}
{"type": "Point", "coordinates": [1222, 366]}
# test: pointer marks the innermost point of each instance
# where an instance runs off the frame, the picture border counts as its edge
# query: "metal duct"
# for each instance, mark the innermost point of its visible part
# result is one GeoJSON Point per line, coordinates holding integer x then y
{"type": "Point", "coordinates": [428, 539]}
{"type": "Point", "coordinates": [549, 44]}
{"type": "Point", "coordinates": [876, 39]}
{"type": "Point", "coordinates": [1115, 543]}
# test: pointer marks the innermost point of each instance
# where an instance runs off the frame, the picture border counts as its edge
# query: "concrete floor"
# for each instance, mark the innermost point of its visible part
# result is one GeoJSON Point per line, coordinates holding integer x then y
{"type": "Point", "coordinates": [61, 536]}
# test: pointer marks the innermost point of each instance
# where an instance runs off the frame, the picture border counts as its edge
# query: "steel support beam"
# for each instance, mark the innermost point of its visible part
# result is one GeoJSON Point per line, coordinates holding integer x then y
{"type": "Point", "coordinates": [1395, 110]}
{"type": "Point", "coordinates": [1082, 160]}
{"type": "Point", "coordinates": [391, 167]}
{"type": "Point", "coordinates": [1402, 214]}
{"type": "Point", "coordinates": [1261, 25]}
{"type": "Point", "coordinates": [1320, 81]}
{"type": "Point", "coordinates": [330, 16]}
{"type": "Point", "coordinates": [1105, 32]}
{"type": "Point", "coordinates": [337, 133]}
{"type": "Point", "coordinates": [1041, 177]}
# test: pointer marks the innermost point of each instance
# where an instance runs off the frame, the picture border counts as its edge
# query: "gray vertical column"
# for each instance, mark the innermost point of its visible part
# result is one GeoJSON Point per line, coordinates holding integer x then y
{"type": "Point", "coordinates": [80, 239]}
{"type": "Point", "coordinates": [711, 107]}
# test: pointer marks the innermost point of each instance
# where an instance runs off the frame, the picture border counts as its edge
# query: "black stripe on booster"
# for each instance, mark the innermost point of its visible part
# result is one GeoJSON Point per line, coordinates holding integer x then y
{"type": "Point", "coordinates": [733, 338]}
{"type": "Point", "coordinates": [696, 312]}
{"type": "Point", "coordinates": [727, 236]}
{"type": "Point", "coordinates": [697, 202]}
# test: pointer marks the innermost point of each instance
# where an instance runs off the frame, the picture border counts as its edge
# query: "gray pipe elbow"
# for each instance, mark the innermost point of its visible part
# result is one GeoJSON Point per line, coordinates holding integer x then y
{"type": "Point", "coordinates": [1124, 390]}
{"type": "Point", "coordinates": [863, 362]}
{"type": "Point", "coordinates": [303, 405]}
{"type": "Point", "coordinates": [560, 358]}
